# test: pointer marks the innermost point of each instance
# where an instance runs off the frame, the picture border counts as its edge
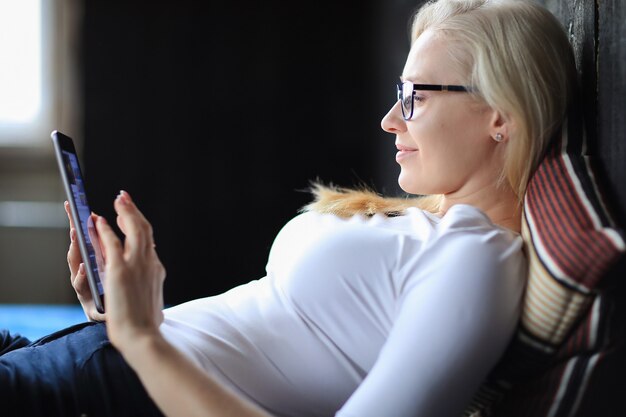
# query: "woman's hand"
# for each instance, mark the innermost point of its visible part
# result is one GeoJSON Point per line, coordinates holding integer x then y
{"type": "Point", "coordinates": [78, 276]}
{"type": "Point", "coordinates": [133, 287]}
{"type": "Point", "coordinates": [134, 275]}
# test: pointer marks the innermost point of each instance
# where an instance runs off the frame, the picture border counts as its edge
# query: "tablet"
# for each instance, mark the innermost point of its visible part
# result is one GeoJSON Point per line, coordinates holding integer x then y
{"type": "Point", "coordinates": [80, 211]}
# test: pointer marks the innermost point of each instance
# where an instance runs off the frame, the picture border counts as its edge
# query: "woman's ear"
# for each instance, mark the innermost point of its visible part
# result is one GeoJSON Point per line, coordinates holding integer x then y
{"type": "Point", "coordinates": [499, 126]}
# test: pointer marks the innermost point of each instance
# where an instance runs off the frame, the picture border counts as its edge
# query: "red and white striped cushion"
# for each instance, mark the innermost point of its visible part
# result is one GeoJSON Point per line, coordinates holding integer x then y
{"type": "Point", "coordinates": [571, 243]}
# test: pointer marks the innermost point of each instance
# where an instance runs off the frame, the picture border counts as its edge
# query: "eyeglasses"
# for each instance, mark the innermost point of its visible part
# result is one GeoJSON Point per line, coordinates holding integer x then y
{"type": "Point", "coordinates": [406, 94]}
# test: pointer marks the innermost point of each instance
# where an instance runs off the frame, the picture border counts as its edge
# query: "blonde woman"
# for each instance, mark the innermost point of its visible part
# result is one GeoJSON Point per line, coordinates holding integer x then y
{"type": "Point", "coordinates": [370, 306]}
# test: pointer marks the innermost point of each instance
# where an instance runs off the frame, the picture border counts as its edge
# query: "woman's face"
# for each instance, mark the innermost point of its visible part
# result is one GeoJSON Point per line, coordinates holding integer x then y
{"type": "Point", "coordinates": [447, 146]}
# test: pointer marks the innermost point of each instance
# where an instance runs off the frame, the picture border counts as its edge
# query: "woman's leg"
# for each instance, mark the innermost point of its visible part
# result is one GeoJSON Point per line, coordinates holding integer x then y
{"type": "Point", "coordinates": [74, 372]}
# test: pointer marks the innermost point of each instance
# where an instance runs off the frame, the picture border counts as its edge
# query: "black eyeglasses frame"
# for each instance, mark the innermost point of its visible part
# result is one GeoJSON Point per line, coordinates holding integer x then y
{"type": "Point", "coordinates": [425, 87]}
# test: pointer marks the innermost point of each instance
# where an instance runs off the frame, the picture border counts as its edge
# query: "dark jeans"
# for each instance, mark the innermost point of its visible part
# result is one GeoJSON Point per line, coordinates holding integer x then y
{"type": "Point", "coordinates": [73, 372]}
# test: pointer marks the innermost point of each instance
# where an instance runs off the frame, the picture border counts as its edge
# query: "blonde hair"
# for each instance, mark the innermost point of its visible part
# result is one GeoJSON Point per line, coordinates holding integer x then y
{"type": "Point", "coordinates": [518, 59]}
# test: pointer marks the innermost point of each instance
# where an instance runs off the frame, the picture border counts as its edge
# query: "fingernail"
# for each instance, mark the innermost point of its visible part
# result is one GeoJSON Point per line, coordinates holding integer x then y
{"type": "Point", "coordinates": [123, 197]}
{"type": "Point", "coordinates": [101, 220]}
{"type": "Point", "coordinates": [81, 268]}
{"type": "Point", "coordinates": [72, 235]}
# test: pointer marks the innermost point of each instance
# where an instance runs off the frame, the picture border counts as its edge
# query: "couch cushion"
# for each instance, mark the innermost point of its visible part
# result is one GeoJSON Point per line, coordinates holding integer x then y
{"type": "Point", "coordinates": [571, 243]}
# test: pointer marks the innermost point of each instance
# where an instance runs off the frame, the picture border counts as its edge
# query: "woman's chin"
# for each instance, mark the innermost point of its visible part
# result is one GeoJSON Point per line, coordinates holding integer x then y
{"type": "Point", "coordinates": [413, 188]}
{"type": "Point", "coordinates": [409, 186]}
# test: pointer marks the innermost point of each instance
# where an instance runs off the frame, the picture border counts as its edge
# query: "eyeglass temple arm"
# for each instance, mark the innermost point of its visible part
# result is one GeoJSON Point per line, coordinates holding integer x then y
{"type": "Point", "coordinates": [435, 87]}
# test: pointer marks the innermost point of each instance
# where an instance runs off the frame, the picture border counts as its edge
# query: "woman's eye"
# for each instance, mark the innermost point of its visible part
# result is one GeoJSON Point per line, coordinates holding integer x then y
{"type": "Point", "coordinates": [418, 99]}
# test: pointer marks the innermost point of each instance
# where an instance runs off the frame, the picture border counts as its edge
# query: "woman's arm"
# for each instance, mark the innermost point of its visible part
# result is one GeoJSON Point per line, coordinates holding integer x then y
{"type": "Point", "coordinates": [455, 318]}
{"type": "Point", "coordinates": [178, 386]}
{"type": "Point", "coordinates": [133, 284]}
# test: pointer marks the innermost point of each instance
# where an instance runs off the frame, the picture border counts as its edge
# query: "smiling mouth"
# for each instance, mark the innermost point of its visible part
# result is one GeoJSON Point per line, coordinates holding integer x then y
{"type": "Point", "coordinates": [404, 152]}
{"type": "Point", "coordinates": [403, 148]}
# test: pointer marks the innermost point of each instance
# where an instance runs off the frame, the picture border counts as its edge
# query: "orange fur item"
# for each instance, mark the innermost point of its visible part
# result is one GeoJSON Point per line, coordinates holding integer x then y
{"type": "Point", "coordinates": [346, 202]}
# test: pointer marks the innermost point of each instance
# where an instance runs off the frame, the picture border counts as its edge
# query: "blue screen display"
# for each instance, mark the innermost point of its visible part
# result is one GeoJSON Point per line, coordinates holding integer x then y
{"type": "Point", "coordinates": [87, 226]}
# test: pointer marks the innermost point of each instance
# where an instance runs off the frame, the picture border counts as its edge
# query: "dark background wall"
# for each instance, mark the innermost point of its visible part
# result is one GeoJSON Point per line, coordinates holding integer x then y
{"type": "Point", "coordinates": [215, 115]}
{"type": "Point", "coordinates": [598, 34]}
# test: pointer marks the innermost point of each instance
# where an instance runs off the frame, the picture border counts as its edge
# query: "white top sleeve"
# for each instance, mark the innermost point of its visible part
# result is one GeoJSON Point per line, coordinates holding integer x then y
{"type": "Point", "coordinates": [448, 334]}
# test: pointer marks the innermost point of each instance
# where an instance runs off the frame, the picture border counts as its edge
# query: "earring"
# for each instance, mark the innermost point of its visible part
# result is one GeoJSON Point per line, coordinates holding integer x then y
{"type": "Point", "coordinates": [498, 137]}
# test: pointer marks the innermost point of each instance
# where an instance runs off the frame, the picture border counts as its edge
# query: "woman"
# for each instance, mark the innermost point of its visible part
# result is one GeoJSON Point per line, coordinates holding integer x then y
{"type": "Point", "coordinates": [370, 306]}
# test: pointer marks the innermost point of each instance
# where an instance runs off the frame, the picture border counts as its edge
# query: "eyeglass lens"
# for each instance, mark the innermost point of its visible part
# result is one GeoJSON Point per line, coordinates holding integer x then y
{"type": "Point", "coordinates": [405, 95]}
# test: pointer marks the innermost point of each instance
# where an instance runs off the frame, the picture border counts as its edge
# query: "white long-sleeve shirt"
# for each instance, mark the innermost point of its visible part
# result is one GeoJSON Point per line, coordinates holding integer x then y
{"type": "Point", "coordinates": [367, 316]}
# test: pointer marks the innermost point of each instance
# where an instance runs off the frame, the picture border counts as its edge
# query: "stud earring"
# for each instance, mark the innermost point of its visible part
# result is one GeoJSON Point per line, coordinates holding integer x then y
{"type": "Point", "coordinates": [498, 137]}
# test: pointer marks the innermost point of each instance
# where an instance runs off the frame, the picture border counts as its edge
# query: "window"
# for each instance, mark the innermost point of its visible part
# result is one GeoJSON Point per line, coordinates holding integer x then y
{"type": "Point", "coordinates": [35, 70]}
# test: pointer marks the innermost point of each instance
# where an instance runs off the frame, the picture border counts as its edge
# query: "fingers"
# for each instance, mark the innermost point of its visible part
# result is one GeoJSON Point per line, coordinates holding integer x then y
{"type": "Point", "coordinates": [78, 274]}
{"type": "Point", "coordinates": [134, 275]}
{"type": "Point", "coordinates": [109, 240]}
{"type": "Point", "coordinates": [83, 292]}
{"type": "Point", "coordinates": [138, 230]}
{"type": "Point", "coordinates": [100, 250]}
{"type": "Point", "coordinates": [66, 206]}
{"type": "Point", "coordinates": [80, 284]}
{"type": "Point", "coordinates": [120, 224]}
{"type": "Point", "coordinates": [73, 253]}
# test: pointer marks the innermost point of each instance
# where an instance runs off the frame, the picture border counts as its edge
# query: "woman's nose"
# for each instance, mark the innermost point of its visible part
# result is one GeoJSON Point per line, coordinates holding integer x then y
{"type": "Point", "coordinates": [393, 122]}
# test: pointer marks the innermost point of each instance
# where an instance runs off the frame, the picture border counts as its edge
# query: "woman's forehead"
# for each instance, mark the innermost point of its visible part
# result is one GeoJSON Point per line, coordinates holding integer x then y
{"type": "Point", "coordinates": [429, 61]}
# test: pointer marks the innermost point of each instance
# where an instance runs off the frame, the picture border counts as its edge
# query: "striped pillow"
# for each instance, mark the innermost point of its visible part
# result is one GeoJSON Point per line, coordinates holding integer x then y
{"type": "Point", "coordinates": [571, 244]}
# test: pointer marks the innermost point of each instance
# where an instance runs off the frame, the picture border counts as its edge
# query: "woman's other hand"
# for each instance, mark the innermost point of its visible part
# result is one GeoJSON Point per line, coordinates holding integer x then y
{"type": "Point", "coordinates": [134, 276]}
{"type": "Point", "coordinates": [78, 276]}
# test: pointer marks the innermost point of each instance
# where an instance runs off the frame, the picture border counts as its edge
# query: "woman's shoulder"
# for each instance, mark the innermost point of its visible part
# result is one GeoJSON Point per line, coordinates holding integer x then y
{"type": "Point", "coordinates": [466, 217]}
{"type": "Point", "coordinates": [468, 248]}
{"type": "Point", "coordinates": [467, 228]}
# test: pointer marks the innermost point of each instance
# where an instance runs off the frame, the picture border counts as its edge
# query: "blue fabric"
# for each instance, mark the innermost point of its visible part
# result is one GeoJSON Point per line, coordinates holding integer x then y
{"type": "Point", "coordinates": [73, 372]}
{"type": "Point", "coordinates": [37, 320]}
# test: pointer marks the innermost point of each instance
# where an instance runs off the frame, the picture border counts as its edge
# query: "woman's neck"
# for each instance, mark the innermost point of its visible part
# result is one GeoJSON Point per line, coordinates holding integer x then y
{"type": "Point", "coordinates": [499, 203]}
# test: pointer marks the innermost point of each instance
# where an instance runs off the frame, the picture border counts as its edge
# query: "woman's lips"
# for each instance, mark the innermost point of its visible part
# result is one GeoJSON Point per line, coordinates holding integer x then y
{"type": "Point", "coordinates": [404, 152]}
